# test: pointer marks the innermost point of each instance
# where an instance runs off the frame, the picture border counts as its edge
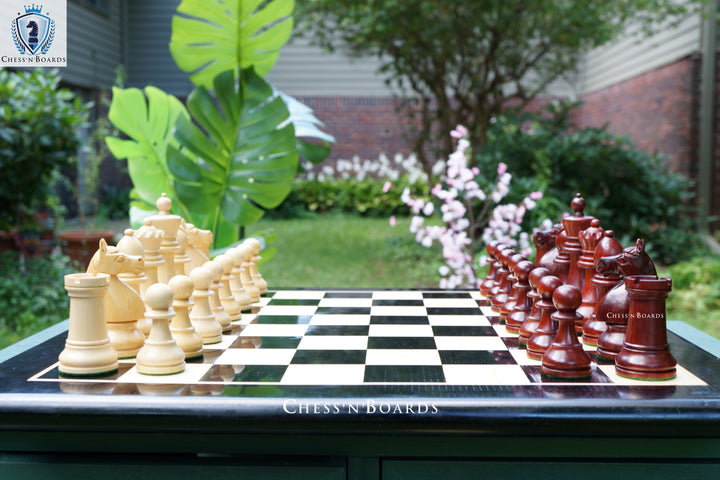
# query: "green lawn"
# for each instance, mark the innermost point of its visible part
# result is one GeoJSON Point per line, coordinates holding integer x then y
{"type": "Point", "coordinates": [347, 251]}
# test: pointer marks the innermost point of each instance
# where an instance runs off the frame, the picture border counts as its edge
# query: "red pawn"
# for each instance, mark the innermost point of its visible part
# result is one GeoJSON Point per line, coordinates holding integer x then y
{"type": "Point", "coordinates": [566, 358]}
{"type": "Point", "coordinates": [544, 334]}
{"type": "Point", "coordinates": [533, 319]}
{"type": "Point", "coordinates": [522, 305]}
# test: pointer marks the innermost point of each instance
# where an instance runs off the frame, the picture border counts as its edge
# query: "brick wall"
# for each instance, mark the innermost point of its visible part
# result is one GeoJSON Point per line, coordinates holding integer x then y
{"type": "Point", "coordinates": [362, 126]}
{"type": "Point", "coordinates": [658, 110]}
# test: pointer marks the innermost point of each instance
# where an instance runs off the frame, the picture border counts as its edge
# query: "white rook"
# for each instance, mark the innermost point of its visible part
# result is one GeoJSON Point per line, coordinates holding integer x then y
{"type": "Point", "coordinates": [88, 351]}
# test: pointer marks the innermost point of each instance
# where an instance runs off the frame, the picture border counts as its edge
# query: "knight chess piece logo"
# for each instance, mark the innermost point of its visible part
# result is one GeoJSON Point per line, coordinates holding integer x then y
{"type": "Point", "coordinates": [33, 32]}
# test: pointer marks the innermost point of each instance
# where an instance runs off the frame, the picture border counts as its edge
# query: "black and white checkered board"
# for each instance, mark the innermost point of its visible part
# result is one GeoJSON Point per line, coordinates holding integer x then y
{"type": "Point", "coordinates": [362, 337]}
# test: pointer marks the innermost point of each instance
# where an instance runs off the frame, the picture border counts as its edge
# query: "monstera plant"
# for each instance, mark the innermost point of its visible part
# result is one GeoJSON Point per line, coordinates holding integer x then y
{"type": "Point", "coordinates": [232, 153]}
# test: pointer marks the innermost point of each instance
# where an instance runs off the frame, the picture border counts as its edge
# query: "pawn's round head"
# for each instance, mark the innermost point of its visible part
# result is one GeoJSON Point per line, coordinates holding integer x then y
{"type": "Point", "coordinates": [567, 297]}
{"type": "Point", "coordinates": [245, 252]}
{"type": "Point", "coordinates": [547, 286]}
{"type": "Point", "coordinates": [215, 268]}
{"type": "Point", "coordinates": [182, 286]}
{"type": "Point", "coordinates": [201, 278]}
{"type": "Point", "coordinates": [522, 270]}
{"type": "Point", "coordinates": [159, 296]}
{"type": "Point", "coordinates": [254, 245]}
{"type": "Point", "coordinates": [226, 262]}
{"type": "Point", "coordinates": [536, 275]}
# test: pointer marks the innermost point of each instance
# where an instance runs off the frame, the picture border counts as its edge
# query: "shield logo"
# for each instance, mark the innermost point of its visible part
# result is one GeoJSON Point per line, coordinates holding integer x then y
{"type": "Point", "coordinates": [33, 33]}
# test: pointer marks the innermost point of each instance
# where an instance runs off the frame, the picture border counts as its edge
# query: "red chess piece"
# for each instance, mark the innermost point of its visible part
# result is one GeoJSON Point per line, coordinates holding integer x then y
{"type": "Point", "coordinates": [544, 241]}
{"type": "Point", "coordinates": [487, 283]}
{"type": "Point", "coordinates": [574, 224]}
{"type": "Point", "coordinates": [547, 239]}
{"type": "Point", "coordinates": [500, 272]}
{"type": "Point", "coordinates": [589, 239]}
{"type": "Point", "coordinates": [533, 319]}
{"type": "Point", "coordinates": [566, 358]}
{"type": "Point", "coordinates": [545, 332]}
{"type": "Point", "coordinates": [561, 262]}
{"type": "Point", "coordinates": [645, 355]}
{"type": "Point", "coordinates": [501, 294]}
{"type": "Point", "coordinates": [615, 307]}
{"type": "Point", "coordinates": [509, 303]}
{"type": "Point", "coordinates": [522, 305]}
{"type": "Point", "coordinates": [594, 327]}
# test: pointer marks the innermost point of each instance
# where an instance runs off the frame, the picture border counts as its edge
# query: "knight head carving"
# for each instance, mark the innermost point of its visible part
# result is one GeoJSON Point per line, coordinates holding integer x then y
{"type": "Point", "coordinates": [632, 261]}
{"type": "Point", "coordinates": [109, 259]}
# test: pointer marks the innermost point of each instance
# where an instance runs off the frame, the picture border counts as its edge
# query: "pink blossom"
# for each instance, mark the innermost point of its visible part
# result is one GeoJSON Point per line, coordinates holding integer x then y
{"type": "Point", "coordinates": [536, 195]}
{"type": "Point", "coordinates": [459, 132]}
{"type": "Point", "coordinates": [393, 221]}
{"type": "Point", "coordinates": [502, 168]}
{"type": "Point", "coordinates": [386, 187]}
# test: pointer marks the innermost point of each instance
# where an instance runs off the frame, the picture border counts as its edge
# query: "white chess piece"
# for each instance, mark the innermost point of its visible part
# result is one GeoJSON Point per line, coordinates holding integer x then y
{"type": "Point", "coordinates": [160, 355]}
{"type": "Point", "coordinates": [88, 351]}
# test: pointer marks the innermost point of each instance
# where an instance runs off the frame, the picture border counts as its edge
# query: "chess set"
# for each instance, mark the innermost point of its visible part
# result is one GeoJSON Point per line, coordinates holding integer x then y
{"type": "Point", "coordinates": [355, 338]}
{"type": "Point", "coordinates": [587, 313]}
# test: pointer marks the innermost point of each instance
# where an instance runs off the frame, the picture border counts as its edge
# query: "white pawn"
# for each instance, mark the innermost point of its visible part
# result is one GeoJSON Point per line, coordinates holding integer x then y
{"type": "Point", "coordinates": [218, 310]}
{"type": "Point", "coordinates": [201, 315]}
{"type": "Point", "coordinates": [181, 327]}
{"type": "Point", "coordinates": [255, 247]}
{"type": "Point", "coordinates": [160, 355]}
{"type": "Point", "coordinates": [250, 288]}
{"type": "Point", "coordinates": [88, 351]}
{"type": "Point", "coordinates": [236, 286]}
{"type": "Point", "coordinates": [232, 307]}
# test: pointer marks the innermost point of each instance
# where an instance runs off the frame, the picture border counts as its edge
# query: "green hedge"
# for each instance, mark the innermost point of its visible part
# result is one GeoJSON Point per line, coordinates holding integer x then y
{"type": "Point", "coordinates": [632, 192]}
{"type": "Point", "coordinates": [32, 294]}
{"type": "Point", "coordinates": [363, 197]}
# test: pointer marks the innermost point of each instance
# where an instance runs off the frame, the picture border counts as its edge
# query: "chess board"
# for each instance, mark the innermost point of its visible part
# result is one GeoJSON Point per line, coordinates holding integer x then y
{"type": "Point", "coordinates": [358, 338]}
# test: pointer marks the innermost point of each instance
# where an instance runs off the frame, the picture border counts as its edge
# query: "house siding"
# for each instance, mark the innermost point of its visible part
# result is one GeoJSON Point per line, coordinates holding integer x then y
{"type": "Point", "coordinates": [94, 47]}
{"type": "Point", "coordinates": [629, 57]}
{"type": "Point", "coordinates": [148, 55]}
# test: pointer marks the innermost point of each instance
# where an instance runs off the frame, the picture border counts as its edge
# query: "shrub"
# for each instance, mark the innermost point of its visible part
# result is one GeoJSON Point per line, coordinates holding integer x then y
{"type": "Point", "coordinates": [354, 186]}
{"type": "Point", "coordinates": [38, 139]}
{"type": "Point", "coordinates": [695, 296]}
{"type": "Point", "coordinates": [32, 295]}
{"type": "Point", "coordinates": [630, 191]}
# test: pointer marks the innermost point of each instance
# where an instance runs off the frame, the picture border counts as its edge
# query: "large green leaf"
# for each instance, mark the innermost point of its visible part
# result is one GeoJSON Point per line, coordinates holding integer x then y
{"type": "Point", "coordinates": [147, 119]}
{"type": "Point", "coordinates": [234, 161]}
{"type": "Point", "coordinates": [212, 36]}
{"type": "Point", "coordinates": [307, 125]}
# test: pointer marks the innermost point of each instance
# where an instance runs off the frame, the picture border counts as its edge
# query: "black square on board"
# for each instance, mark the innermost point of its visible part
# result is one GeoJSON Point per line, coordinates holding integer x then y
{"type": "Point", "coordinates": [398, 320]}
{"type": "Point", "coordinates": [463, 331]}
{"type": "Point", "coordinates": [337, 330]}
{"type": "Point", "coordinates": [398, 303]}
{"type": "Point", "coordinates": [476, 357]}
{"type": "Point", "coordinates": [453, 311]}
{"type": "Point", "coordinates": [422, 343]}
{"type": "Point", "coordinates": [343, 310]}
{"type": "Point", "coordinates": [336, 357]}
{"type": "Point", "coordinates": [451, 294]}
